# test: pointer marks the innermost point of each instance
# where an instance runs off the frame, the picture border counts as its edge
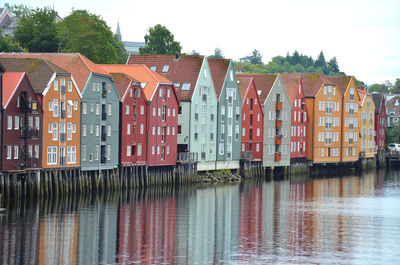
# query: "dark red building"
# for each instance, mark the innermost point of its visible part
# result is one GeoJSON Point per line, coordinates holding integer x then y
{"type": "Point", "coordinates": [299, 116]}
{"type": "Point", "coordinates": [252, 118]}
{"type": "Point", "coordinates": [22, 124]}
{"type": "Point", "coordinates": [380, 121]}
{"type": "Point", "coordinates": [159, 120]}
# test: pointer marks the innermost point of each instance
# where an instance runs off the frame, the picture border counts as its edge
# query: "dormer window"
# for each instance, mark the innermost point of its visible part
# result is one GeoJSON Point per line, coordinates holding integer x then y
{"type": "Point", "coordinates": [177, 85]}
{"type": "Point", "coordinates": [165, 68]}
{"type": "Point", "coordinates": [153, 68]}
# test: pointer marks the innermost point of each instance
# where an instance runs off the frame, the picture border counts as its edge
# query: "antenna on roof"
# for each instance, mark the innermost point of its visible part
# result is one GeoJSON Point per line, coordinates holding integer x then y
{"type": "Point", "coordinates": [176, 58]}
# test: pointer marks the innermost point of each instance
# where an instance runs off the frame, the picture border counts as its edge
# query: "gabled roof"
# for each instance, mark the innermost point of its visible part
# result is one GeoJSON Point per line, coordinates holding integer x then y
{"type": "Point", "coordinates": [312, 83]}
{"type": "Point", "coordinates": [393, 105]}
{"type": "Point", "coordinates": [181, 69]}
{"type": "Point", "coordinates": [78, 65]}
{"type": "Point", "coordinates": [243, 84]}
{"type": "Point", "coordinates": [361, 95]}
{"type": "Point", "coordinates": [141, 73]}
{"type": "Point", "coordinates": [39, 71]}
{"type": "Point", "coordinates": [341, 81]}
{"type": "Point", "coordinates": [291, 84]}
{"type": "Point", "coordinates": [264, 83]}
{"type": "Point", "coordinates": [122, 82]}
{"type": "Point", "coordinates": [219, 70]}
{"type": "Point", "coordinates": [377, 98]}
{"type": "Point", "coordinates": [10, 84]}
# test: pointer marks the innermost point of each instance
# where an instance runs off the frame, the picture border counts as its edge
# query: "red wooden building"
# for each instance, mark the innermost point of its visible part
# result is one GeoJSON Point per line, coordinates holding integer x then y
{"type": "Point", "coordinates": [161, 115]}
{"type": "Point", "coordinates": [380, 121]}
{"type": "Point", "coordinates": [133, 126]}
{"type": "Point", "coordinates": [299, 116]}
{"type": "Point", "coordinates": [252, 118]}
{"type": "Point", "coordinates": [22, 124]}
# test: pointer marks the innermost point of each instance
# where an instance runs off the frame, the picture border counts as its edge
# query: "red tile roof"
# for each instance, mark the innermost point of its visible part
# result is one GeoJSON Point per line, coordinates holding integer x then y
{"type": "Point", "coordinates": [78, 65]}
{"type": "Point", "coordinates": [291, 85]}
{"type": "Point", "coordinates": [341, 81]}
{"type": "Point", "coordinates": [263, 82]}
{"type": "Point", "coordinates": [219, 69]}
{"type": "Point", "coordinates": [244, 83]}
{"type": "Point", "coordinates": [10, 84]}
{"type": "Point", "coordinates": [122, 82]}
{"type": "Point", "coordinates": [141, 73]}
{"type": "Point", "coordinates": [185, 69]}
{"type": "Point", "coordinates": [39, 71]}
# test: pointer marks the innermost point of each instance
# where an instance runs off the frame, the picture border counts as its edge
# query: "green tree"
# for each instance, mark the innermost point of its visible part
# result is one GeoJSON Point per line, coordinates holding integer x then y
{"type": "Point", "coordinates": [378, 88]}
{"type": "Point", "coordinates": [333, 65]}
{"type": "Point", "coordinates": [89, 34]}
{"type": "Point", "coordinates": [396, 86]}
{"type": "Point", "coordinates": [7, 44]}
{"type": "Point", "coordinates": [320, 62]}
{"type": "Point", "coordinates": [217, 54]}
{"type": "Point", "coordinates": [160, 40]}
{"type": "Point", "coordinates": [393, 133]}
{"type": "Point", "coordinates": [255, 57]}
{"type": "Point", "coordinates": [36, 30]}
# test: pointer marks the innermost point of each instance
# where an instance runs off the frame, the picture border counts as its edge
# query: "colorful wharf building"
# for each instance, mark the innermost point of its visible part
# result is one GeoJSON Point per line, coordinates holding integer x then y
{"type": "Point", "coordinates": [229, 113]}
{"type": "Point", "coordinates": [380, 122]}
{"type": "Point", "coordinates": [366, 125]}
{"type": "Point", "coordinates": [276, 126]}
{"type": "Point", "coordinates": [21, 134]}
{"type": "Point", "coordinates": [252, 118]}
{"type": "Point", "coordinates": [99, 109]}
{"type": "Point", "coordinates": [324, 106]}
{"type": "Point", "coordinates": [60, 100]}
{"type": "Point", "coordinates": [155, 116]}
{"type": "Point", "coordinates": [299, 117]}
{"type": "Point", "coordinates": [197, 115]}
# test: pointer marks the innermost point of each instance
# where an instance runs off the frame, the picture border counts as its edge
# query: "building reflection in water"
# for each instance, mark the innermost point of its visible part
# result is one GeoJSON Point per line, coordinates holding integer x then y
{"type": "Point", "coordinates": [317, 220]}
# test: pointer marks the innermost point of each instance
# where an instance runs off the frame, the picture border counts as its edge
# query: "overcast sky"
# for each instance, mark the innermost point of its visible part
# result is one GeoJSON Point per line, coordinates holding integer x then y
{"type": "Point", "coordinates": [364, 35]}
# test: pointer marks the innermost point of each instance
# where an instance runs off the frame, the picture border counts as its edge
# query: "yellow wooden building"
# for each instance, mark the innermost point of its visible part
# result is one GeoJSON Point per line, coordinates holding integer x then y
{"type": "Point", "coordinates": [366, 127]}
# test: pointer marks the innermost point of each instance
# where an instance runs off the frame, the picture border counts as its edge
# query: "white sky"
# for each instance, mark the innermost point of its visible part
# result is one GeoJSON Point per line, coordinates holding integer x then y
{"type": "Point", "coordinates": [364, 35]}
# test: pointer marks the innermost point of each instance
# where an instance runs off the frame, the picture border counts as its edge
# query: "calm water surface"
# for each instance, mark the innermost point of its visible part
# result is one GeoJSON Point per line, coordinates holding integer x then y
{"type": "Point", "coordinates": [348, 220]}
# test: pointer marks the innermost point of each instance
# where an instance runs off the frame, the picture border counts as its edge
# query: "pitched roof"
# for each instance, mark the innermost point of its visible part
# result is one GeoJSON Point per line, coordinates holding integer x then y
{"type": "Point", "coordinates": [10, 84]}
{"type": "Point", "coordinates": [39, 71]}
{"type": "Point", "coordinates": [264, 83]}
{"type": "Point", "coordinates": [312, 83]}
{"type": "Point", "coordinates": [362, 94]}
{"type": "Point", "coordinates": [393, 105]}
{"type": "Point", "coordinates": [377, 98]}
{"type": "Point", "coordinates": [341, 81]}
{"type": "Point", "coordinates": [122, 82]}
{"type": "Point", "coordinates": [182, 69]}
{"type": "Point", "coordinates": [243, 84]}
{"type": "Point", "coordinates": [219, 69]}
{"type": "Point", "coordinates": [141, 73]}
{"type": "Point", "coordinates": [291, 84]}
{"type": "Point", "coordinates": [78, 65]}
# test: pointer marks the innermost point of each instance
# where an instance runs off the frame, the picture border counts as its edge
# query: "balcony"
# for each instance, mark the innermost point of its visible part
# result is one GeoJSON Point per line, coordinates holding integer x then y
{"type": "Point", "coordinates": [278, 139]}
{"type": "Point", "coordinates": [187, 157]}
{"type": "Point", "coordinates": [29, 132]}
{"type": "Point", "coordinates": [278, 106]}
{"type": "Point", "coordinates": [103, 116]}
{"type": "Point", "coordinates": [278, 123]}
{"type": "Point", "coordinates": [246, 155]}
{"type": "Point", "coordinates": [25, 106]}
{"type": "Point", "coordinates": [62, 114]}
{"type": "Point", "coordinates": [62, 137]}
{"type": "Point", "coordinates": [278, 156]}
{"type": "Point", "coordinates": [26, 161]}
{"type": "Point", "coordinates": [103, 159]}
{"type": "Point", "coordinates": [103, 137]}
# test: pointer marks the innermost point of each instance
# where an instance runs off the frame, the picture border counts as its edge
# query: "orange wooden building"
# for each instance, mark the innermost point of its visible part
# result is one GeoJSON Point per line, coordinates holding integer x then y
{"type": "Point", "coordinates": [324, 106]}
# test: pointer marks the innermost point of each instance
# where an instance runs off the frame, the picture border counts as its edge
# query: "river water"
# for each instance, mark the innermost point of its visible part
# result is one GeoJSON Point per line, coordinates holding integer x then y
{"type": "Point", "coordinates": [340, 220]}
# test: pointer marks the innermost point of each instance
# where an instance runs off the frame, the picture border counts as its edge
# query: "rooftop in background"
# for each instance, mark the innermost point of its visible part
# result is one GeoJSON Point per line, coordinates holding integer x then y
{"type": "Point", "coordinates": [132, 47]}
{"type": "Point", "coordinates": [264, 83]}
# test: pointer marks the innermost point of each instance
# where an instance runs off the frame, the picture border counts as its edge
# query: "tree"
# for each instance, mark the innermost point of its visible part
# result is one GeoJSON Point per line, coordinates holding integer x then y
{"type": "Point", "coordinates": [89, 34]}
{"type": "Point", "coordinates": [378, 88]}
{"type": "Point", "coordinates": [320, 62]}
{"type": "Point", "coordinates": [7, 44]}
{"type": "Point", "coordinates": [36, 30]}
{"type": "Point", "coordinates": [255, 57]}
{"type": "Point", "coordinates": [217, 54]}
{"type": "Point", "coordinates": [160, 40]}
{"type": "Point", "coordinates": [393, 133]}
{"type": "Point", "coordinates": [396, 87]}
{"type": "Point", "coordinates": [333, 65]}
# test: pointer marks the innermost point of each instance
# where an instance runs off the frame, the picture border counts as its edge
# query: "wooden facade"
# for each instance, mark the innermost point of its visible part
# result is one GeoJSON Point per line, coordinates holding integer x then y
{"type": "Point", "coordinates": [366, 128]}
{"type": "Point", "coordinates": [252, 118]}
{"type": "Point", "coordinates": [22, 128]}
{"type": "Point", "coordinates": [380, 121]}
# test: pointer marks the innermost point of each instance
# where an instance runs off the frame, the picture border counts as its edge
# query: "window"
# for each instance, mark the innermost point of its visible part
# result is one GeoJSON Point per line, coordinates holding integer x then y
{"type": "Point", "coordinates": [55, 131]}
{"type": "Point", "coordinates": [152, 150]}
{"type": "Point", "coordinates": [71, 154]}
{"type": "Point", "coordinates": [109, 130]}
{"type": "Point", "coordinates": [173, 130]}
{"type": "Point", "coordinates": [243, 131]}
{"type": "Point", "coordinates": [50, 105]}
{"type": "Point", "coordinates": [141, 128]}
{"type": "Point", "coordinates": [141, 110]}
{"type": "Point", "coordinates": [36, 151]}
{"type": "Point", "coordinates": [55, 107]}
{"type": "Point", "coordinates": [69, 108]}
{"type": "Point", "coordinates": [69, 131]}
{"type": "Point", "coordinates": [153, 68]}
{"type": "Point", "coordinates": [96, 152]}
{"type": "Point", "coordinates": [97, 130]}
{"type": "Point", "coordinates": [165, 68]}
{"type": "Point", "coordinates": [139, 150]}
{"type": "Point", "coordinates": [16, 122]}
{"type": "Point", "coordinates": [9, 151]}
{"type": "Point", "coordinates": [69, 86]}
{"type": "Point", "coordinates": [222, 113]}
{"type": "Point", "coordinates": [128, 150]}
{"type": "Point", "coordinates": [9, 122]}
{"type": "Point", "coordinates": [126, 109]}
{"type": "Point", "coordinates": [173, 112]}
{"type": "Point", "coordinates": [97, 109]}
{"type": "Point", "coordinates": [222, 132]}
{"type": "Point", "coordinates": [186, 86]}
{"type": "Point", "coordinates": [52, 155]}
{"type": "Point", "coordinates": [37, 123]}
{"type": "Point", "coordinates": [221, 149]}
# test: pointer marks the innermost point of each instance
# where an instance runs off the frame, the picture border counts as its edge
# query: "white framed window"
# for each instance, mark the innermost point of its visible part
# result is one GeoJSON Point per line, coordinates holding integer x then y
{"type": "Point", "coordinates": [96, 152]}
{"type": "Point", "coordinates": [141, 110]}
{"type": "Point", "coordinates": [128, 150]}
{"type": "Point", "coordinates": [83, 129]}
{"type": "Point", "coordinates": [243, 131]}
{"type": "Point", "coordinates": [139, 150]}
{"type": "Point", "coordinates": [55, 131]}
{"type": "Point", "coordinates": [55, 107]}
{"type": "Point", "coordinates": [16, 122]}
{"type": "Point", "coordinates": [97, 130]}
{"type": "Point", "coordinates": [55, 85]}
{"type": "Point", "coordinates": [75, 104]}
{"type": "Point", "coordinates": [71, 154]}
{"type": "Point", "coordinates": [69, 108]}
{"type": "Point", "coordinates": [9, 151]}
{"type": "Point", "coordinates": [173, 112]}
{"type": "Point", "coordinates": [36, 151]}
{"type": "Point", "coordinates": [9, 122]}
{"type": "Point", "coordinates": [69, 131]}
{"type": "Point", "coordinates": [84, 108]}
{"type": "Point", "coordinates": [69, 86]}
{"type": "Point", "coordinates": [91, 128]}
{"type": "Point", "coordinates": [50, 105]}
{"type": "Point", "coordinates": [109, 130]}
{"type": "Point", "coordinates": [97, 109]}
{"type": "Point", "coordinates": [154, 111]}
{"type": "Point", "coordinates": [126, 109]}
{"type": "Point", "coordinates": [221, 149]}
{"type": "Point", "coordinates": [173, 130]}
{"type": "Point", "coordinates": [141, 128]}
{"type": "Point", "coordinates": [152, 150]}
{"type": "Point", "coordinates": [128, 129]}
{"type": "Point", "coordinates": [109, 109]}
{"type": "Point", "coordinates": [37, 123]}
{"type": "Point", "coordinates": [154, 130]}
{"type": "Point", "coordinates": [83, 153]}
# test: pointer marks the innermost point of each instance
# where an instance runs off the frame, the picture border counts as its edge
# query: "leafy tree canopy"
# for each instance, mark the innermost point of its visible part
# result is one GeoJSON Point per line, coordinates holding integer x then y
{"type": "Point", "coordinates": [217, 54]}
{"type": "Point", "coordinates": [255, 57]}
{"type": "Point", "coordinates": [160, 40]}
{"type": "Point", "coordinates": [36, 30]}
{"type": "Point", "coordinates": [7, 44]}
{"type": "Point", "coordinates": [89, 34]}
